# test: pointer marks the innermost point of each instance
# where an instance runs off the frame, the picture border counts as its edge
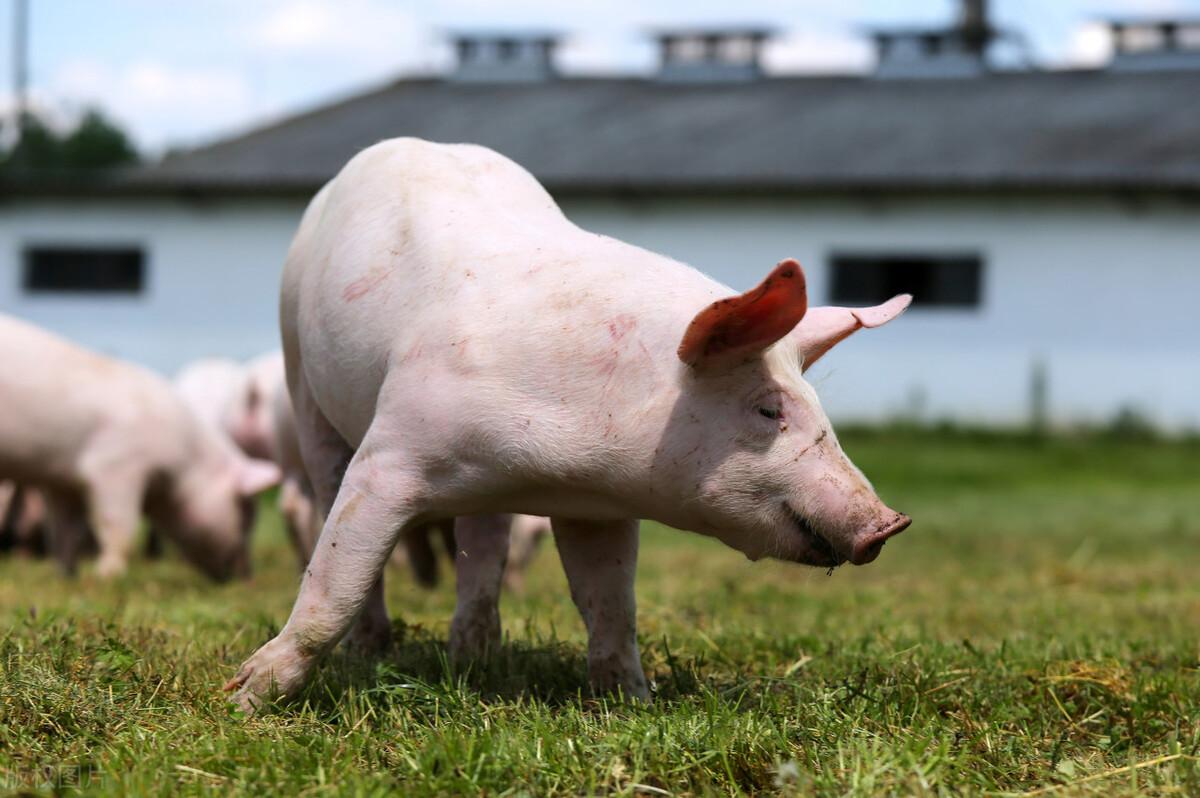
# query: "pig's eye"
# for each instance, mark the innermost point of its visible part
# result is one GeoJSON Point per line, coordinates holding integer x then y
{"type": "Point", "coordinates": [772, 413]}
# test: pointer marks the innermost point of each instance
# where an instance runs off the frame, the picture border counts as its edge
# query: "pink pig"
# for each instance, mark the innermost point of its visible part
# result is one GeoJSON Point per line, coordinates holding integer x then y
{"type": "Point", "coordinates": [456, 347]}
{"type": "Point", "coordinates": [105, 440]}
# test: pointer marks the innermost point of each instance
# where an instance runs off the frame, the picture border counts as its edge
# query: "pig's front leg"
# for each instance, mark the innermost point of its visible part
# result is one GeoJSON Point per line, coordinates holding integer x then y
{"type": "Point", "coordinates": [68, 530]}
{"type": "Point", "coordinates": [370, 511]}
{"type": "Point", "coordinates": [372, 632]}
{"type": "Point", "coordinates": [600, 558]}
{"type": "Point", "coordinates": [481, 543]}
{"type": "Point", "coordinates": [114, 508]}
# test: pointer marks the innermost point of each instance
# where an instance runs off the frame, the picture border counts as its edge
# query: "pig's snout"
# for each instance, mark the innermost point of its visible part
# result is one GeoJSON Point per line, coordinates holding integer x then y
{"type": "Point", "coordinates": [870, 542]}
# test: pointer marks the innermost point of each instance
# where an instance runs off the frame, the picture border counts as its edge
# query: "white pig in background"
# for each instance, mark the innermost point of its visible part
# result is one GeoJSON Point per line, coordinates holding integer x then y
{"type": "Point", "coordinates": [209, 386]}
{"type": "Point", "coordinates": [248, 403]}
{"type": "Point", "coordinates": [23, 519]}
{"type": "Point", "coordinates": [456, 347]}
{"type": "Point", "coordinates": [104, 440]}
{"type": "Point", "coordinates": [525, 537]}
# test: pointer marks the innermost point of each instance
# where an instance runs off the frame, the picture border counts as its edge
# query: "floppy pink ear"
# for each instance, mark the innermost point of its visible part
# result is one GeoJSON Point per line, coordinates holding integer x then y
{"type": "Point", "coordinates": [824, 327]}
{"type": "Point", "coordinates": [740, 327]}
{"type": "Point", "coordinates": [255, 476]}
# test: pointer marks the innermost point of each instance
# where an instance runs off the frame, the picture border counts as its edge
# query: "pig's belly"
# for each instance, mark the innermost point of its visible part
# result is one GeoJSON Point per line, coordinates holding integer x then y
{"type": "Point", "coordinates": [345, 386]}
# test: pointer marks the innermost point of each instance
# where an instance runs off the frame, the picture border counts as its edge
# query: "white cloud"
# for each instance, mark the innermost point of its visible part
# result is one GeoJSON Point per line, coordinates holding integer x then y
{"type": "Point", "coordinates": [1090, 46]}
{"type": "Point", "coordinates": [818, 51]}
{"type": "Point", "coordinates": [162, 103]}
{"type": "Point", "coordinates": [373, 33]}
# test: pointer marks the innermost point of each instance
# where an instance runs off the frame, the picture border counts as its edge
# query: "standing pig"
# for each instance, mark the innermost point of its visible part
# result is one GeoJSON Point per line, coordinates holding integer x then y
{"type": "Point", "coordinates": [524, 539]}
{"type": "Point", "coordinates": [456, 347]}
{"type": "Point", "coordinates": [249, 404]}
{"type": "Point", "coordinates": [208, 386]}
{"type": "Point", "coordinates": [105, 440]}
{"type": "Point", "coordinates": [23, 519]}
{"type": "Point", "coordinates": [250, 420]}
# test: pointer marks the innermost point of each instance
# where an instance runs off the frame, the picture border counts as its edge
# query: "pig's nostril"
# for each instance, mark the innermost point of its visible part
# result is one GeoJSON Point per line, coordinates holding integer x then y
{"type": "Point", "coordinates": [871, 544]}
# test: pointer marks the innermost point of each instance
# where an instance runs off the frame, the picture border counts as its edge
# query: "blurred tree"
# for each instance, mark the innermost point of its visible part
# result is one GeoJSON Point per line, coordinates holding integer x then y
{"type": "Point", "coordinates": [94, 143]}
{"type": "Point", "coordinates": [97, 143]}
{"type": "Point", "coordinates": [38, 147]}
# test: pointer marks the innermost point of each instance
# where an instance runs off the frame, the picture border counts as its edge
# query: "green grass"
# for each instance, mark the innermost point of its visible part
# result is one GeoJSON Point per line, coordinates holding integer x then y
{"type": "Point", "coordinates": [1037, 627]}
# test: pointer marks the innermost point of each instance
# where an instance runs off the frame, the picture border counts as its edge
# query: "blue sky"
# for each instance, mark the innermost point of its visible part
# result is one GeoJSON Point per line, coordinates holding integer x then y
{"type": "Point", "coordinates": [179, 72]}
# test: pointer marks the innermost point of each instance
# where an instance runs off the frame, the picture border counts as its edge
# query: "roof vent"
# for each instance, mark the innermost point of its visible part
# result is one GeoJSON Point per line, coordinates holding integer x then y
{"type": "Point", "coordinates": [504, 57]}
{"type": "Point", "coordinates": [1155, 45]}
{"type": "Point", "coordinates": [711, 55]}
{"type": "Point", "coordinates": [959, 51]}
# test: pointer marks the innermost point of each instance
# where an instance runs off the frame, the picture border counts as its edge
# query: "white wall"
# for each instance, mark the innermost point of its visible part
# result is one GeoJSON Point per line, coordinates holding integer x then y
{"type": "Point", "coordinates": [1105, 293]}
{"type": "Point", "coordinates": [212, 275]}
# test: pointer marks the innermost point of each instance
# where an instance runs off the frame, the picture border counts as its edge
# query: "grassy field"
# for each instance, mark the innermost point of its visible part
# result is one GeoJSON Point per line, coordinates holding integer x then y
{"type": "Point", "coordinates": [1036, 630]}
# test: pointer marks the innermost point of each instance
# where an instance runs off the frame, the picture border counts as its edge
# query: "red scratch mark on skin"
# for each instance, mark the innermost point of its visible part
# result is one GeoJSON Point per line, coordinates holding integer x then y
{"type": "Point", "coordinates": [621, 326]}
{"type": "Point", "coordinates": [365, 284]}
{"type": "Point", "coordinates": [414, 352]}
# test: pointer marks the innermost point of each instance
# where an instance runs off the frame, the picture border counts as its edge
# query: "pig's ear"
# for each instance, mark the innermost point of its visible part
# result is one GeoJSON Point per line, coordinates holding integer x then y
{"type": "Point", "coordinates": [255, 476]}
{"type": "Point", "coordinates": [823, 327]}
{"type": "Point", "coordinates": [740, 327]}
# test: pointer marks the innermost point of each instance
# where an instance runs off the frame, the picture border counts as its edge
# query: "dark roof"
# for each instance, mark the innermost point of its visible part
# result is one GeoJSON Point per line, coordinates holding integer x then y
{"type": "Point", "coordinates": [1071, 131]}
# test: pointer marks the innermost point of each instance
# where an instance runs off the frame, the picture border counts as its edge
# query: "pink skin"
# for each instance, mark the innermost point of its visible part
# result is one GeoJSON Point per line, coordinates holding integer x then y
{"type": "Point", "coordinates": [250, 418]}
{"type": "Point", "coordinates": [455, 347]}
{"type": "Point", "coordinates": [249, 404]}
{"type": "Point", "coordinates": [105, 439]}
{"type": "Point", "coordinates": [238, 399]}
{"type": "Point", "coordinates": [208, 386]}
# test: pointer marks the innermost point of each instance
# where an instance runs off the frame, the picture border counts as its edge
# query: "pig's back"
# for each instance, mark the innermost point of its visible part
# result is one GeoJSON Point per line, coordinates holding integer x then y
{"type": "Point", "coordinates": [208, 387]}
{"type": "Point", "coordinates": [455, 256]}
{"type": "Point", "coordinates": [55, 396]}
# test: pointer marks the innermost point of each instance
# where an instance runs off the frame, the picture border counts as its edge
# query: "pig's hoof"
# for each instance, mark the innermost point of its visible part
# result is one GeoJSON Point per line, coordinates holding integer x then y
{"type": "Point", "coordinates": [273, 672]}
{"type": "Point", "coordinates": [617, 677]}
{"type": "Point", "coordinates": [474, 637]}
{"type": "Point", "coordinates": [110, 567]}
{"type": "Point", "coordinates": [370, 636]}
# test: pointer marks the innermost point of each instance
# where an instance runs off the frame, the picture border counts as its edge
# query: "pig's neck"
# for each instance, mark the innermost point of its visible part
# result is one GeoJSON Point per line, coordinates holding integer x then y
{"type": "Point", "coordinates": [624, 409]}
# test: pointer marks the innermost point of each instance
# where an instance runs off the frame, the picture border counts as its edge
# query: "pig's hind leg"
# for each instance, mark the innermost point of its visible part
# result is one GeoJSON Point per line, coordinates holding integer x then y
{"type": "Point", "coordinates": [481, 548]}
{"type": "Point", "coordinates": [600, 559]}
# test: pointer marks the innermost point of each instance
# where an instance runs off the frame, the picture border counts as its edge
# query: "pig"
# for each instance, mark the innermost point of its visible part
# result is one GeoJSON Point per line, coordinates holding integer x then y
{"type": "Point", "coordinates": [251, 419]}
{"type": "Point", "coordinates": [208, 386]}
{"type": "Point", "coordinates": [236, 398]}
{"type": "Point", "coordinates": [23, 519]}
{"type": "Point", "coordinates": [105, 440]}
{"type": "Point", "coordinates": [525, 536]}
{"type": "Point", "coordinates": [456, 347]}
{"type": "Point", "coordinates": [296, 503]}
{"type": "Point", "coordinates": [249, 404]}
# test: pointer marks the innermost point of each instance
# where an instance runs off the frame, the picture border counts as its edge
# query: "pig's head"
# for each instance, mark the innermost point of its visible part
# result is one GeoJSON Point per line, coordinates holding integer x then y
{"type": "Point", "coordinates": [210, 510]}
{"type": "Point", "coordinates": [772, 479]}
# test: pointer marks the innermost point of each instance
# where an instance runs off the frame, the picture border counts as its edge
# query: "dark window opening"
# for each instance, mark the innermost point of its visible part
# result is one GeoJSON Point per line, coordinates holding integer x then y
{"type": "Point", "coordinates": [84, 270]}
{"type": "Point", "coordinates": [933, 280]}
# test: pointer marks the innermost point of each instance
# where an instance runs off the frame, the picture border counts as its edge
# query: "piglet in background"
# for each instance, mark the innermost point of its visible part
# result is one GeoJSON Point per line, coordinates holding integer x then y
{"type": "Point", "coordinates": [104, 439]}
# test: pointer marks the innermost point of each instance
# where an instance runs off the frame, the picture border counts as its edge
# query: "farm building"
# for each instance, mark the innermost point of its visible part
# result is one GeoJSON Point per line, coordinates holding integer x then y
{"type": "Point", "coordinates": [1047, 222]}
